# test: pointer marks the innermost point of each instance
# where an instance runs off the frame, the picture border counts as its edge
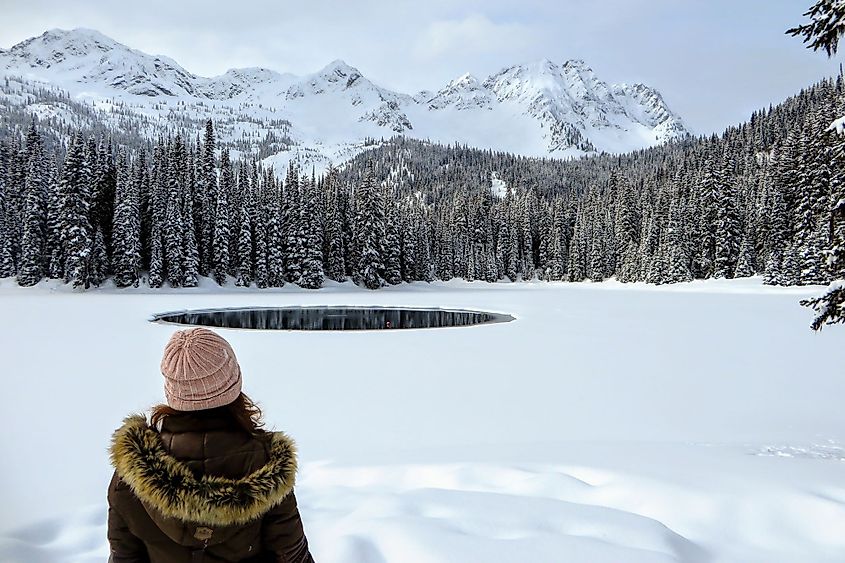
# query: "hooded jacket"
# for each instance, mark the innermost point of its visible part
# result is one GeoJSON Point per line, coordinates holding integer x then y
{"type": "Point", "coordinates": [201, 490]}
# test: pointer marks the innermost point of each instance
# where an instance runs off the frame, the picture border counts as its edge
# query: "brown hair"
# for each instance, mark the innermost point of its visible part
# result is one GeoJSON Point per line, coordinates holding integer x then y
{"type": "Point", "coordinates": [243, 411]}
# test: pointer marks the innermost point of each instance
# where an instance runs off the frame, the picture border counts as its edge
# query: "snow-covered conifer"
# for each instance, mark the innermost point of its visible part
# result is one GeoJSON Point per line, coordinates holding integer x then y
{"type": "Point", "coordinates": [220, 248]}
{"type": "Point", "coordinates": [75, 227]}
{"type": "Point", "coordinates": [33, 264]}
{"type": "Point", "coordinates": [369, 229]}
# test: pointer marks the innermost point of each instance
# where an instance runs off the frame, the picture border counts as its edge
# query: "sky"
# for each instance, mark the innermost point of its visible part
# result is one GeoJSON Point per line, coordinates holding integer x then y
{"type": "Point", "coordinates": [714, 61]}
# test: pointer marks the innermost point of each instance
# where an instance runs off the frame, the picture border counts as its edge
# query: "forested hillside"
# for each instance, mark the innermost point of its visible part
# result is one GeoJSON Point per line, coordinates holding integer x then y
{"type": "Point", "coordinates": [756, 199]}
{"type": "Point", "coordinates": [759, 199]}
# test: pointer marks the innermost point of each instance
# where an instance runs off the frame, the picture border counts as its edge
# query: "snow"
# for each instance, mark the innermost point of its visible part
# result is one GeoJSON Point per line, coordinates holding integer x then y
{"type": "Point", "coordinates": [838, 125]}
{"type": "Point", "coordinates": [498, 186]}
{"type": "Point", "coordinates": [610, 422]}
{"type": "Point", "coordinates": [612, 117]}
{"type": "Point", "coordinates": [515, 110]}
{"type": "Point", "coordinates": [317, 158]}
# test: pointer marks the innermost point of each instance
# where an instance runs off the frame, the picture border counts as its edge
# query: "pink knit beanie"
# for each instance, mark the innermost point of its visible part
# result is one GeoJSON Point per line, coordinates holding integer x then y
{"type": "Point", "coordinates": [200, 371]}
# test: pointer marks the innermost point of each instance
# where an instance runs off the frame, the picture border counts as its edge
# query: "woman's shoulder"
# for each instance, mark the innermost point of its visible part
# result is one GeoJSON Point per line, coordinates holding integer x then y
{"type": "Point", "coordinates": [207, 446]}
{"type": "Point", "coordinates": [173, 486]}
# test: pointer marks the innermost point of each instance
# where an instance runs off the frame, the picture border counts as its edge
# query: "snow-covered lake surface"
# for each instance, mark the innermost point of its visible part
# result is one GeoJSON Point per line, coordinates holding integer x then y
{"type": "Point", "coordinates": [614, 423]}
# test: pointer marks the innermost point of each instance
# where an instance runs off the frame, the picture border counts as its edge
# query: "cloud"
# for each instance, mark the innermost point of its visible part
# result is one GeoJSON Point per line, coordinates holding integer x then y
{"type": "Point", "coordinates": [473, 35]}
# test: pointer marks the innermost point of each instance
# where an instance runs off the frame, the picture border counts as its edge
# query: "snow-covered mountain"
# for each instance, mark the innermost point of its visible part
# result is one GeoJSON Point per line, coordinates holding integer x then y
{"type": "Point", "coordinates": [87, 57]}
{"type": "Point", "coordinates": [465, 92]}
{"type": "Point", "coordinates": [581, 110]}
{"type": "Point", "coordinates": [542, 108]}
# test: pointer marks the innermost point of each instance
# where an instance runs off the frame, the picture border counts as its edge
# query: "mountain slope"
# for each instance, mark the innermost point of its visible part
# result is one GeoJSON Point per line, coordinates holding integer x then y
{"type": "Point", "coordinates": [542, 108]}
{"type": "Point", "coordinates": [87, 57]}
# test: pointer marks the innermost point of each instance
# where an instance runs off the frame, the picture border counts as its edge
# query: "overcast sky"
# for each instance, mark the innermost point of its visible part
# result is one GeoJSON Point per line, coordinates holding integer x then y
{"type": "Point", "coordinates": [714, 60]}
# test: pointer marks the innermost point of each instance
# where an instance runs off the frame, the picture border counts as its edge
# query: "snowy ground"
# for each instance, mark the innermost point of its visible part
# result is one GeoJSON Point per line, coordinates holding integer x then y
{"type": "Point", "coordinates": [614, 423]}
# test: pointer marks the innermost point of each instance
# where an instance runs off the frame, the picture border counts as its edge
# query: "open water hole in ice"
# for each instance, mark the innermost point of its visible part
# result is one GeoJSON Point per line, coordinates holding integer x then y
{"type": "Point", "coordinates": [330, 318]}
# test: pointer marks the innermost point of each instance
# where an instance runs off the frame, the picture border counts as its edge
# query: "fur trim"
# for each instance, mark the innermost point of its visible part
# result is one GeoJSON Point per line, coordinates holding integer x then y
{"type": "Point", "coordinates": [168, 485]}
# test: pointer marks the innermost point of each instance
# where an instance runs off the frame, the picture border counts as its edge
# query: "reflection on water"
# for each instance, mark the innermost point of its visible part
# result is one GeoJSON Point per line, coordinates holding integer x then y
{"type": "Point", "coordinates": [330, 318]}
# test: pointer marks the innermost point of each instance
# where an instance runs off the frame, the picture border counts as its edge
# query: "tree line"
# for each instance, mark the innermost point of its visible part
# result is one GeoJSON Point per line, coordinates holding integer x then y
{"type": "Point", "coordinates": [763, 198]}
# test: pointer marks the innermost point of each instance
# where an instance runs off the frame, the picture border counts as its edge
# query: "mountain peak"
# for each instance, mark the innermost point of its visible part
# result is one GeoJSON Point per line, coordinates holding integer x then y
{"type": "Point", "coordinates": [575, 105]}
{"type": "Point", "coordinates": [248, 82]}
{"type": "Point", "coordinates": [86, 56]}
{"type": "Point", "coordinates": [254, 74]}
{"type": "Point", "coordinates": [464, 92]}
{"type": "Point", "coordinates": [576, 63]}
{"type": "Point", "coordinates": [56, 45]}
{"type": "Point", "coordinates": [465, 80]}
{"type": "Point", "coordinates": [544, 64]}
{"type": "Point", "coordinates": [555, 108]}
{"type": "Point", "coordinates": [339, 67]}
{"type": "Point", "coordinates": [76, 33]}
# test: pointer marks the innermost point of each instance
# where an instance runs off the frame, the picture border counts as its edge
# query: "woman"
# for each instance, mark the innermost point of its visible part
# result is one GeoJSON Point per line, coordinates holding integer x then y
{"type": "Point", "coordinates": [203, 482]}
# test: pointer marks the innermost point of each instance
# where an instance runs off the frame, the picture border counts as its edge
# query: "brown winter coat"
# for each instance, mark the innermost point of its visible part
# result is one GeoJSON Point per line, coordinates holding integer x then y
{"type": "Point", "coordinates": [202, 490]}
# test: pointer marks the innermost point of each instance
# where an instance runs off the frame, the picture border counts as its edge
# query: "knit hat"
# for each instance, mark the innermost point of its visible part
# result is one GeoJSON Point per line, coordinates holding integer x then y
{"type": "Point", "coordinates": [200, 371]}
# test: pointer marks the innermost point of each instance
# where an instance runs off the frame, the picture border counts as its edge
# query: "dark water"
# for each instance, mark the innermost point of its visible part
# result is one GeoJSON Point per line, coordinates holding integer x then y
{"type": "Point", "coordinates": [330, 318]}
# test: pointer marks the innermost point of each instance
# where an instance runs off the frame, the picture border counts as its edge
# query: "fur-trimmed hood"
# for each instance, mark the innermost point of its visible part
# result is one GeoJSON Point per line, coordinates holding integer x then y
{"type": "Point", "coordinates": [168, 486]}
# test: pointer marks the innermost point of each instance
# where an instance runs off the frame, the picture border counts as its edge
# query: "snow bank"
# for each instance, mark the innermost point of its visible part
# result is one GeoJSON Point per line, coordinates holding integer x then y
{"type": "Point", "coordinates": [609, 422]}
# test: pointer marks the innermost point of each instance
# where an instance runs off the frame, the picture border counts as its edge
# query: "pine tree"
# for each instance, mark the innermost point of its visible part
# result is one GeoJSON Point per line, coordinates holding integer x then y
{"type": "Point", "coordinates": [512, 266]}
{"type": "Point", "coordinates": [830, 307]}
{"type": "Point", "coordinates": [208, 198]}
{"type": "Point", "coordinates": [727, 233]}
{"type": "Point", "coordinates": [557, 264]}
{"type": "Point", "coordinates": [15, 181]}
{"type": "Point", "coordinates": [627, 230]}
{"type": "Point", "coordinates": [32, 267]}
{"type": "Point", "coordinates": [369, 230]}
{"type": "Point", "coordinates": [75, 228]}
{"type": "Point", "coordinates": [98, 268]}
{"type": "Point", "coordinates": [391, 246]}
{"type": "Point", "coordinates": [145, 191]}
{"type": "Point", "coordinates": [598, 254]}
{"type": "Point", "coordinates": [677, 260]}
{"type": "Point", "coordinates": [243, 222]}
{"type": "Point", "coordinates": [810, 187]}
{"type": "Point", "coordinates": [53, 249]}
{"type": "Point", "coordinates": [335, 260]}
{"type": "Point", "coordinates": [408, 245]}
{"type": "Point", "coordinates": [491, 272]}
{"type": "Point", "coordinates": [826, 27]}
{"type": "Point", "coordinates": [445, 257]}
{"type": "Point", "coordinates": [235, 201]}
{"type": "Point", "coordinates": [545, 236]}
{"type": "Point", "coordinates": [527, 234]}
{"type": "Point", "coordinates": [745, 263]}
{"type": "Point", "coordinates": [577, 268]}
{"type": "Point", "coordinates": [220, 254]}
{"type": "Point", "coordinates": [501, 249]}
{"type": "Point", "coordinates": [258, 220]}
{"type": "Point", "coordinates": [311, 236]}
{"type": "Point", "coordinates": [7, 263]}
{"type": "Point", "coordinates": [126, 228]}
{"type": "Point", "coordinates": [422, 264]}
{"type": "Point", "coordinates": [174, 227]}
{"type": "Point", "coordinates": [292, 227]}
{"type": "Point", "coordinates": [103, 192]}
{"type": "Point", "coordinates": [190, 258]}
{"type": "Point", "coordinates": [157, 210]}
{"type": "Point", "coordinates": [275, 232]}
{"type": "Point", "coordinates": [778, 238]}
{"type": "Point", "coordinates": [715, 229]}
{"type": "Point", "coordinates": [244, 248]}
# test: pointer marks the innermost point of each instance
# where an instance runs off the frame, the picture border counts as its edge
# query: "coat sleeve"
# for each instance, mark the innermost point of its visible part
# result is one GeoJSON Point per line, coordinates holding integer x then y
{"type": "Point", "coordinates": [282, 534]}
{"type": "Point", "coordinates": [124, 546]}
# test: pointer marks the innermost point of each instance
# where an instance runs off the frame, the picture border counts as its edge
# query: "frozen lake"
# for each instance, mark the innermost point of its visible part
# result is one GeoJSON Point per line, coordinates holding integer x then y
{"type": "Point", "coordinates": [700, 422]}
